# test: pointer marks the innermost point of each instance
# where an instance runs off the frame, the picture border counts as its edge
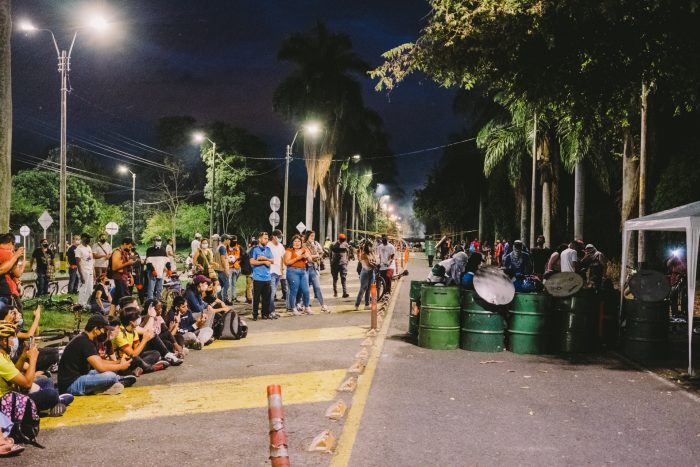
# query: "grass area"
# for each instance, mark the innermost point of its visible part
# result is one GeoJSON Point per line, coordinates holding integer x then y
{"type": "Point", "coordinates": [51, 319]}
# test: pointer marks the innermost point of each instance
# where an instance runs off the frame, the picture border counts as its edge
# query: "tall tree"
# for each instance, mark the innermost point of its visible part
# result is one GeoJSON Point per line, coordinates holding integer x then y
{"type": "Point", "coordinates": [5, 115]}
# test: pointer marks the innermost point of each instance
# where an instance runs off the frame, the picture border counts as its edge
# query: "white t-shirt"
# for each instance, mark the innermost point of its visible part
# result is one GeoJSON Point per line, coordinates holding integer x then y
{"type": "Point", "coordinates": [277, 255]}
{"type": "Point", "coordinates": [195, 246]}
{"type": "Point", "coordinates": [171, 256]}
{"type": "Point", "coordinates": [567, 259]}
{"type": "Point", "coordinates": [102, 249]}
{"type": "Point", "coordinates": [384, 252]}
{"type": "Point", "coordinates": [86, 264]}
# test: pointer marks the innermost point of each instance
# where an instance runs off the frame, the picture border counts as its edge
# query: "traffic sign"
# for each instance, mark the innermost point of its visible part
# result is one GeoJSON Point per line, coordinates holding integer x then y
{"type": "Point", "coordinates": [275, 204]}
{"type": "Point", "coordinates": [45, 220]}
{"type": "Point", "coordinates": [301, 227]}
{"type": "Point", "coordinates": [274, 219]}
{"type": "Point", "coordinates": [112, 228]}
{"type": "Point", "coordinates": [24, 230]}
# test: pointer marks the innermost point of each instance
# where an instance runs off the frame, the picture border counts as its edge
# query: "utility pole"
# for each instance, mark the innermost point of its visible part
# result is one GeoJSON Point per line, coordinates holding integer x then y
{"type": "Point", "coordinates": [287, 159]}
{"type": "Point", "coordinates": [213, 189]}
{"type": "Point", "coordinates": [533, 193]}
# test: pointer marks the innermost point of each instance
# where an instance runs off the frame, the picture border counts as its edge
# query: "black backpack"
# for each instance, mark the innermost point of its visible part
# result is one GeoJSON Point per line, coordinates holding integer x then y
{"type": "Point", "coordinates": [228, 326]}
{"type": "Point", "coordinates": [24, 429]}
{"type": "Point", "coordinates": [244, 261]}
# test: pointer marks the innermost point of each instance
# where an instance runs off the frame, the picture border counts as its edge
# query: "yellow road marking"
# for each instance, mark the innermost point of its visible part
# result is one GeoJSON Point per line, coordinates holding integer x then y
{"type": "Point", "coordinates": [293, 337]}
{"type": "Point", "coordinates": [148, 402]}
{"type": "Point", "coordinates": [364, 383]}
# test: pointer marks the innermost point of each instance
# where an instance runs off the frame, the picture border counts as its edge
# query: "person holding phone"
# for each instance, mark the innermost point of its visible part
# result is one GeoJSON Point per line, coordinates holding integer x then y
{"type": "Point", "coordinates": [11, 268]}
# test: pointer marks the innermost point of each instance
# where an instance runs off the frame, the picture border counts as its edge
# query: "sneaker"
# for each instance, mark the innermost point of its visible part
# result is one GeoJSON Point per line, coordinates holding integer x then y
{"type": "Point", "coordinates": [324, 309]}
{"type": "Point", "coordinates": [335, 294]}
{"type": "Point", "coordinates": [114, 389]}
{"type": "Point", "coordinates": [66, 399]}
{"type": "Point", "coordinates": [209, 342]}
{"type": "Point", "coordinates": [357, 307]}
{"type": "Point", "coordinates": [346, 295]}
{"type": "Point", "coordinates": [300, 307]}
{"type": "Point", "coordinates": [255, 318]}
{"type": "Point", "coordinates": [308, 311]}
{"type": "Point", "coordinates": [172, 359]}
{"type": "Point", "coordinates": [57, 410]}
{"type": "Point", "coordinates": [367, 307]}
{"type": "Point", "coordinates": [158, 366]}
{"type": "Point", "coordinates": [165, 363]}
{"type": "Point", "coordinates": [128, 380]}
{"type": "Point", "coordinates": [295, 312]}
{"type": "Point", "coordinates": [196, 345]}
{"type": "Point", "coordinates": [274, 316]}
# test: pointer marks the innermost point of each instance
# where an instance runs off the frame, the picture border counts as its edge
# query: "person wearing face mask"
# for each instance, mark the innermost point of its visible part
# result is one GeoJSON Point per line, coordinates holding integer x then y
{"type": "Point", "coordinates": [156, 260]}
{"type": "Point", "coordinates": [195, 295]}
{"type": "Point", "coordinates": [86, 269]}
{"type": "Point", "coordinates": [101, 251]}
{"type": "Point", "coordinates": [234, 266]}
{"type": "Point", "coordinates": [204, 259]}
{"type": "Point", "coordinates": [122, 261]}
{"type": "Point", "coordinates": [100, 300]}
{"type": "Point", "coordinates": [82, 371]}
{"type": "Point", "coordinates": [517, 262]}
{"type": "Point", "coordinates": [44, 265]}
{"type": "Point", "coordinates": [73, 276]}
{"type": "Point", "coordinates": [152, 320]}
{"type": "Point", "coordinates": [129, 343]}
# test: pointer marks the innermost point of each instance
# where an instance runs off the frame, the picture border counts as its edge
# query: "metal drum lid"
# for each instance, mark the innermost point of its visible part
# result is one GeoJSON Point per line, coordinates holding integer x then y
{"type": "Point", "coordinates": [649, 286]}
{"type": "Point", "coordinates": [563, 284]}
{"type": "Point", "coordinates": [493, 286]}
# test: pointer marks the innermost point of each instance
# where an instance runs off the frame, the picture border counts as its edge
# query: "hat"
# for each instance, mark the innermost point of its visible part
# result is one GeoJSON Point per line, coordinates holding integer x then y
{"type": "Point", "coordinates": [198, 235]}
{"type": "Point", "coordinates": [517, 241]}
{"type": "Point", "coordinates": [225, 237]}
{"type": "Point", "coordinates": [97, 321]}
{"type": "Point", "coordinates": [589, 247]}
{"type": "Point", "coordinates": [342, 236]}
{"type": "Point", "coordinates": [200, 278]}
{"type": "Point", "coordinates": [85, 235]}
{"type": "Point", "coordinates": [233, 238]}
{"type": "Point", "coordinates": [438, 270]}
{"type": "Point", "coordinates": [157, 238]}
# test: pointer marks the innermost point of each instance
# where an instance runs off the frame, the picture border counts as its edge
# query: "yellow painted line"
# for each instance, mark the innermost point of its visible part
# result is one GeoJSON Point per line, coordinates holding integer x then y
{"type": "Point", "coordinates": [149, 402]}
{"type": "Point", "coordinates": [346, 442]}
{"type": "Point", "coordinates": [293, 337]}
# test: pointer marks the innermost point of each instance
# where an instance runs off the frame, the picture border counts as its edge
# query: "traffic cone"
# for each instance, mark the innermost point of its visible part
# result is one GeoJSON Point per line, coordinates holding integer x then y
{"type": "Point", "coordinates": [357, 367]}
{"type": "Point", "coordinates": [362, 354]}
{"type": "Point", "coordinates": [349, 385]}
{"type": "Point", "coordinates": [324, 442]}
{"type": "Point", "coordinates": [337, 410]}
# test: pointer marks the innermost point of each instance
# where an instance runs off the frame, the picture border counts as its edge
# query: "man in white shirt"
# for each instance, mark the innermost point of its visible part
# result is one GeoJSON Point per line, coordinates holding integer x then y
{"type": "Point", "coordinates": [569, 259]}
{"type": "Point", "coordinates": [195, 243]}
{"type": "Point", "coordinates": [156, 259]}
{"type": "Point", "coordinates": [277, 269]}
{"type": "Point", "coordinates": [385, 253]}
{"type": "Point", "coordinates": [101, 251]}
{"type": "Point", "coordinates": [86, 269]}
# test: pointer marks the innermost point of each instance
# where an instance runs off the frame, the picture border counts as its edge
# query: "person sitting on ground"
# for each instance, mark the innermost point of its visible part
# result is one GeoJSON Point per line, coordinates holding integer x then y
{"type": "Point", "coordinates": [129, 343]}
{"type": "Point", "coordinates": [82, 371]}
{"type": "Point", "coordinates": [153, 321]}
{"type": "Point", "coordinates": [48, 356]}
{"type": "Point", "coordinates": [517, 262]}
{"type": "Point", "coordinates": [41, 389]}
{"type": "Point", "coordinates": [166, 331]}
{"type": "Point", "coordinates": [101, 300]}
{"type": "Point", "coordinates": [194, 294]}
{"type": "Point", "coordinates": [191, 332]}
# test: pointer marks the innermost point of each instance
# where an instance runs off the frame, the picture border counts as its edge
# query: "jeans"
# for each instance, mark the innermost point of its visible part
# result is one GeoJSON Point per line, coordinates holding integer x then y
{"type": "Point", "coordinates": [47, 396]}
{"type": "Point", "coordinates": [92, 383]}
{"type": "Point", "coordinates": [297, 278]}
{"type": "Point", "coordinates": [365, 282]}
{"type": "Point", "coordinates": [430, 260]}
{"type": "Point", "coordinates": [315, 282]}
{"type": "Point", "coordinates": [261, 293]}
{"type": "Point", "coordinates": [223, 280]}
{"type": "Point", "coordinates": [283, 282]}
{"type": "Point", "coordinates": [274, 284]}
{"type": "Point", "coordinates": [73, 280]}
{"type": "Point", "coordinates": [155, 287]}
{"type": "Point", "coordinates": [342, 270]}
{"type": "Point", "coordinates": [42, 283]}
{"type": "Point", "coordinates": [232, 279]}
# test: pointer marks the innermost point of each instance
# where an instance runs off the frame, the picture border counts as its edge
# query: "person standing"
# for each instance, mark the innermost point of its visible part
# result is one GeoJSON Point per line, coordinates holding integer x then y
{"type": "Point", "coordinates": [156, 259]}
{"type": "Point", "coordinates": [234, 266]}
{"type": "Point", "coordinates": [44, 262]}
{"type": "Point", "coordinates": [73, 277]}
{"type": "Point", "coordinates": [314, 268]}
{"type": "Point", "coordinates": [596, 264]}
{"type": "Point", "coordinates": [385, 254]}
{"type": "Point", "coordinates": [122, 261]}
{"type": "Point", "coordinates": [340, 253]}
{"type": "Point", "coordinates": [261, 260]}
{"type": "Point", "coordinates": [277, 270]}
{"type": "Point", "coordinates": [498, 252]}
{"type": "Point", "coordinates": [430, 251]}
{"type": "Point", "coordinates": [568, 259]}
{"type": "Point", "coordinates": [222, 267]}
{"type": "Point", "coordinates": [517, 262]}
{"type": "Point", "coordinates": [540, 256]}
{"type": "Point", "coordinates": [170, 253]}
{"type": "Point", "coordinates": [195, 244]}
{"type": "Point", "coordinates": [296, 258]}
{"type": "Point", "coordinates": [86, 269]}
{"type": "Point", "coordinates": [11, 266]}
{"type": "Point", "coordinates": [368, 263]}
{"type": "Point", "coordinates": [101, 251]}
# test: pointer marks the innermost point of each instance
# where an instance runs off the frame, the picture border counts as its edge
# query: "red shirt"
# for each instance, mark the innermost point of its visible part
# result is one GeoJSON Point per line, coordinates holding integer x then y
{"type": "Point", "coordinates": [8, 285]}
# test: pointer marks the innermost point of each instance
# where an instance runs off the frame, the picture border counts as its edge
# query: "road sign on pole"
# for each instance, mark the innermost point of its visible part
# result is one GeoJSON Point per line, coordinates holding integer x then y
{"type": "Point", "coordinates": [45, 221]}
{"type": "Point", "coordinates": [24, 231]}
{"type": "Point", "coordinates": [112, 228]}
{"type": "Point", "coordinates": [275, 204]}
{"type": "Point", "coordinates": [274, 219]}
{"type": "Point", "coordinates": [301, 227]}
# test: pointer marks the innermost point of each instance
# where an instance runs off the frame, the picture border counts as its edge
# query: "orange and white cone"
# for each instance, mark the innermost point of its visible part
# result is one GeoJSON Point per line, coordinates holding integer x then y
{"type": "Point", "coordinates": [278, 436]}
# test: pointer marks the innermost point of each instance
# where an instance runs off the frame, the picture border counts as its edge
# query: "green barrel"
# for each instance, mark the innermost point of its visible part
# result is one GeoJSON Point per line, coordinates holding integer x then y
{"type": "Point", "coordinates": [530, 326]}
{"type": "Point", "coordinates": [482, 327]}
{"type": "Point", "coordinates": [439, 318]}
{"type": "Point", "coordinates": [577, 320]}
{"type": "Point", "coordinates": [414, 297]}
{"type": "Point", "coordinates": [609, 328]}
{"type": "Point", "coordinates": [646, 333]}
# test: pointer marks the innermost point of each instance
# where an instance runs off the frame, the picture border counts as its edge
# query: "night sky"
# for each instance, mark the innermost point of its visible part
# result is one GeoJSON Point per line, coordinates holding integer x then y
{"type": "Point", "coordinates": [213, 60]}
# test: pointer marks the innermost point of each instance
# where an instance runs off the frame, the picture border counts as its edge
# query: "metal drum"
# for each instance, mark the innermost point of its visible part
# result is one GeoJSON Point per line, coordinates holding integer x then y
{"type": "Point", "coordinates": [577, 320]}
{"type": "Point", "coordinates": [414, 298]}
{"type": "Point", "coordinates": [482, 327]}
{"type": "Point", "coordinates": [646, 333]}
{"type": "Point", "coordinates": [439, 318]}
{"type": "Point", "coordinates": [530, 324]}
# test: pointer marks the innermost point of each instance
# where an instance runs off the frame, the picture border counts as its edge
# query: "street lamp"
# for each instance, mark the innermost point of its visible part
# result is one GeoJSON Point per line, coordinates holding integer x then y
{"type": "Point", "coordinates": [200, 138]}
{"type": "Point", "coordinates": [312, 129]}
{"type": "Point", "coordinates": [97, 23]}
{"type": "Point", "coordinates": [124, 169]}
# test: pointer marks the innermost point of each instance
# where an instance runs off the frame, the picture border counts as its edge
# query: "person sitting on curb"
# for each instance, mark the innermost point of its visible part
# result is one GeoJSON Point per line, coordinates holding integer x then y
{"type": "Point", "coordinates": [152, 319]}
{"type": "Point", "coordinates": [195, 296]}
{"type": "Point", "coordinates": [191, 332]}
{"type": "Point", "coordinates": [129, 343]}
{"type": "Point", "coordinates": [82, 371]}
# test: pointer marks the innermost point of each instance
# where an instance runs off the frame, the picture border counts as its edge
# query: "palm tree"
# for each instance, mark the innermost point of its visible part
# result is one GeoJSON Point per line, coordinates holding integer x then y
{"type": "Point", "coordinates": [322, 87]}
{"type": "Point", "coordinates": [5, 115]}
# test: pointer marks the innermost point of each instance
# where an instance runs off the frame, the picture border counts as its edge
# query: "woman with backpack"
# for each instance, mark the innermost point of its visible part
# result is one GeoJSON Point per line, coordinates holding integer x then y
{"type": "Point", "coordinates": [204, 260]}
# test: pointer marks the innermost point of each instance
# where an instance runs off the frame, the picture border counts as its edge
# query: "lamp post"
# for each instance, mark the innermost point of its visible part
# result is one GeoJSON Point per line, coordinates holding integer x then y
{"type": "Point", "coordinates": [125, 169]}
{"type": "Point", "coordinates": [63, 56]}
{"type": "Point", "coordinates": [312, 129]}
{"type": "Point", "coordinates": [199, 138]}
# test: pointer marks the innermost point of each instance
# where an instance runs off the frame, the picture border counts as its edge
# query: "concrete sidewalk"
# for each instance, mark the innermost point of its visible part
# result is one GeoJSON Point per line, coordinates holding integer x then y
{"type": "Point", "coordinates": [457, 408]}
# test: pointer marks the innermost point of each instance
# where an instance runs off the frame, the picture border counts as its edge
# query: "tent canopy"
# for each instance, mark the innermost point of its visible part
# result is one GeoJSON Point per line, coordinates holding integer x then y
{"type": "Point", "coordinates": [682, 218]}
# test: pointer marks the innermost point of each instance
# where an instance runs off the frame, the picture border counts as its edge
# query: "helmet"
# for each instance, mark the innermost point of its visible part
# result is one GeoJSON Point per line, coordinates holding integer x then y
{"type": "Point", "coordinates": [7, 329]}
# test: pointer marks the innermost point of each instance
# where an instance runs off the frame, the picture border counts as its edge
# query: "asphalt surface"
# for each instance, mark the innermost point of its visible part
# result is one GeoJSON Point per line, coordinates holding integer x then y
{"type": "Point", "coordinates": [452, 408]}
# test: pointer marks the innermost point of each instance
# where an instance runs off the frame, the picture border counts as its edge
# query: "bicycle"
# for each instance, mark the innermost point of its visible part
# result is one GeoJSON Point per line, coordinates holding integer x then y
{"type": "Point", "coordinates": [49, 301]}
{"type": "Point", "coordinates": [49, 336]}
{"type": "Point", "coordinates": [171, 289]}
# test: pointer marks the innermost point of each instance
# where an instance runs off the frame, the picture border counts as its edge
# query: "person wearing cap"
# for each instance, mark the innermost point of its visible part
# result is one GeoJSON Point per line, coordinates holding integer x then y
{"type": "Point", "coordinates": [122, 261]}
{"type": "Point", "coordinates": [594, 264]}
{"type": "Point", "coordinates": [86, 269]}
{"type": "Point", "coordinates": [156, 260]}
{"type": "Point", "coordinates": [385, 255]}
{"type": "Point", "coordinates": [82, 371]}
{"type": "Point", "coordinates": [517, 262]}
{"type": "Point", "coordinates": [340, 255]}
{"type": "Point", "coordinates": [233, 252]}
{"type": "Point", "coordinates": [195, 244]}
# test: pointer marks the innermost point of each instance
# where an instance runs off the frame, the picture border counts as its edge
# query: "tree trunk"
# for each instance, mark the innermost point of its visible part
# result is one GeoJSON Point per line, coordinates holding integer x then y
{"type": "Point", "coordinates": [321, 219]}
{"type": "Point", "coordinates": [309, 205]}
{"type": "Point", "coordinates": [481, 234]}
{"type": "Point", "coordinates": [329, 227]}
{"type": "Point", "coordinates": [579, 199]}
{"type": "Point", "coordinates": [630, 179]}
{"type": "Point", "coordinates": [5, 115]}
{"type": "Point", "coordinates": [641, 247]}
{"type": "Point", "coordinates": [533, 193]}
{"type": "Point", "coordinates": [546, 213]}
{"type": "Point", "coordinates": [523, 214]}
{"type": "Point", "coordinates": [353, 219]}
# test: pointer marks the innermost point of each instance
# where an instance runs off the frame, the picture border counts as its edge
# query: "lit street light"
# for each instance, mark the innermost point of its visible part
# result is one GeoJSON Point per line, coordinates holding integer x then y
{"type": "Point", "coordinates": [199, 138]}
{"type": "Point", "coordinates": [124, 169]}
{"type": "Point", "coordinates": [97, 23]}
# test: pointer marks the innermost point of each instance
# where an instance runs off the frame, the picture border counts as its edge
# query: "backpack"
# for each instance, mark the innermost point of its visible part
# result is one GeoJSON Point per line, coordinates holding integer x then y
{"type": "Point", "coordinates": [22, 412]}
{"type": "Point", "coordinates": [229, 326]}
{"type": "Point", "coordinates": [244, 261]}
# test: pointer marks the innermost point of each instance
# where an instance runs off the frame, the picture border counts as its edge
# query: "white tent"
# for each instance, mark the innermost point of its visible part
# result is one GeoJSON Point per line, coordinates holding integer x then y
{"type": "Point", "coordinates": [683, 218]}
